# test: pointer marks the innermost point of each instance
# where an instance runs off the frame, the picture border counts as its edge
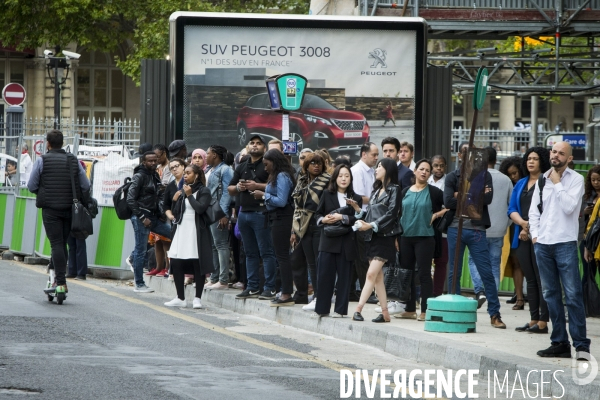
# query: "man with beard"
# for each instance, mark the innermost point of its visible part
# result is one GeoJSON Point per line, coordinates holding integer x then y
{"type": "Point", "coordinates": [553, 225]}
{"type": "Point", "coordinates": [252, 221]}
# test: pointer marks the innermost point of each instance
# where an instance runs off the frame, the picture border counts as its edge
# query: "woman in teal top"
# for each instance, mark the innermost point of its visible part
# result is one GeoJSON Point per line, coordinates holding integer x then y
{"type": "Point", "coordinates": [421, 205]}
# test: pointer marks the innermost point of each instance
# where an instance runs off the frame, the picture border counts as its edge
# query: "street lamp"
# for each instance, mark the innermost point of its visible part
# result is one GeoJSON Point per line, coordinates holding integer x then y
{"type": "Point", "coordinates": [56, 66]}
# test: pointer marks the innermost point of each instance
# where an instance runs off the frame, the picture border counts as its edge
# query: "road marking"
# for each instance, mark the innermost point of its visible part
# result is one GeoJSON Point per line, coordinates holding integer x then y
{"type": "Point", "coordinates": [207, 325]}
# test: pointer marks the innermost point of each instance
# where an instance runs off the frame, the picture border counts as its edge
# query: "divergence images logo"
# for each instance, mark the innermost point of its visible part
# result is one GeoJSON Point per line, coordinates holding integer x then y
{"type": "Point", "coordinates": [378, 56]}
{"type": "Point", "coordinates": [581, 369]}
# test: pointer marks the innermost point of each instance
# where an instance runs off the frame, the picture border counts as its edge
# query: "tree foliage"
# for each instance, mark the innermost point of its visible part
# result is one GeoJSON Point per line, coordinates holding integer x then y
{"type": "Point", "coordinates": [142, 26]}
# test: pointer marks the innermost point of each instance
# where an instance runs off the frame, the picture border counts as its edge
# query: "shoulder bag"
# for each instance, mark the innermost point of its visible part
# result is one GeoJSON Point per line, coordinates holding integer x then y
{"type": "Point", "coordinates": [214, 212]}
{"type": "Point", "coordinates": [81, 219]}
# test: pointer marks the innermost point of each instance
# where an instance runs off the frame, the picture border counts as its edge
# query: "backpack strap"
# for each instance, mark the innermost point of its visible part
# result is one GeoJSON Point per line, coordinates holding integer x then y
{"type": "Point", "coordinates": [541, 183]}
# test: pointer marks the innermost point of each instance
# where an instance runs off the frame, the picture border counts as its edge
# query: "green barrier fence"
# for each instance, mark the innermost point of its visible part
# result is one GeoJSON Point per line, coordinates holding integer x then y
{"type": "Point", "coordinates": [7, 212]}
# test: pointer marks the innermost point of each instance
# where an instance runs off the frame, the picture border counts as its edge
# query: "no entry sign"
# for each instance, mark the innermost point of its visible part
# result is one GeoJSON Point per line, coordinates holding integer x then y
{"type": "Point", "coordinates": [13, 94]}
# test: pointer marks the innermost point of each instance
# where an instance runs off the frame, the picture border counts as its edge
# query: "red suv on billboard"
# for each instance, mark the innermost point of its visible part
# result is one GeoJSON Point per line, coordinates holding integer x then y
{"type": "Point", "coordinates": [317, 124]}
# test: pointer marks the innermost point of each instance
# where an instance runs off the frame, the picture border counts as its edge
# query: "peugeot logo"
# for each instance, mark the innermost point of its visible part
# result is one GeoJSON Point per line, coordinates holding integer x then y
{"type": "Point", "coordinates": [378, 56]}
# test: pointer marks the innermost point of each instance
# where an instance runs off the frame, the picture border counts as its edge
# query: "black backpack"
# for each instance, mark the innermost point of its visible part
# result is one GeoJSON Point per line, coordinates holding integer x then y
{"type": "Point", "coordinates": [120, 201]}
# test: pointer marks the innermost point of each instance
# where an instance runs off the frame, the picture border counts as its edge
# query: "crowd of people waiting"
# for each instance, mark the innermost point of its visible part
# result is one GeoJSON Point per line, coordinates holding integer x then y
{"type": "Point", "coordinates": [324, 232]}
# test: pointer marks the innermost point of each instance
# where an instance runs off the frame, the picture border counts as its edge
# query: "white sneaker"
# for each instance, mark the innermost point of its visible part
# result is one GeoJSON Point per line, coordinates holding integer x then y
{"type": "Point", "coordinates": [176, 302]}
{"type": "Point", "coordinates": [143, 289]}
{"type": "Point", "coordinates": [310, 306]}
{"type": "Point", "coordinates": [196, 303]}
{"type": "Point", "coordinates": [336, 315]}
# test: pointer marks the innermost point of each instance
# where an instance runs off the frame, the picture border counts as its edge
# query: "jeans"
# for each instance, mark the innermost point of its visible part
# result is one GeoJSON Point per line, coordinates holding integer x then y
{"type": "Point", "coordinates": [476, 241]}
{"type": "Point", "coordinates": [77, 256]}
{"type": "Point", "coordinates": [220, 253]}
{"type": "Point", "coordinates": [495, 248]}
{"type": "Point", "coordinates": [558, 263]}
{"type": "Point", "coordinates": [57, 224]}
{"type": "Point", "coordinates": [141, 243]}
{"type": "Point", "coordinates": [256, 236]}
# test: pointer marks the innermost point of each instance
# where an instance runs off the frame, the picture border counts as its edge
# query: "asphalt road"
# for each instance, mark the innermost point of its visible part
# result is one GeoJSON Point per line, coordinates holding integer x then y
{"type": "Point", "coordinates": [107, 342]}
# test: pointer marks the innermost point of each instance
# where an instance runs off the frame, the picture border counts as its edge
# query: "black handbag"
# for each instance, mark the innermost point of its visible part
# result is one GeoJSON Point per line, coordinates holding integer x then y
{"type": "Point", "coordinates": [81, 219]}
{"type": "Point", "coordinates": [214, 212]}
{"type": "Point", "coordinates": [336, 229]}
{"type": "Point", "coordinates": [398, 281]}
{"type": "Point", "coordinates": [442, 224]}
{"type": "Point", "coordinates": [591, 294]}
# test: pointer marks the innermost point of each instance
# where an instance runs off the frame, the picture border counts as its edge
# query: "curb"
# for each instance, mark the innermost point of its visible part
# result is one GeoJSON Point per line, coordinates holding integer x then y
{"type": "Point", "coordinates": [408, 344]}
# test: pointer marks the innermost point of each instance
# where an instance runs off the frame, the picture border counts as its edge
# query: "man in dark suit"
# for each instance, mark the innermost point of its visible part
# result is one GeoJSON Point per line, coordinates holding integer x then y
{"type": "Point", "coordinates": [390, 147]}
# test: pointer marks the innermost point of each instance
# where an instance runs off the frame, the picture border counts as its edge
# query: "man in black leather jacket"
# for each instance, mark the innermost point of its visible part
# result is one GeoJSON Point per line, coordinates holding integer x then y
{"type": "Point", "coordinates": [142, 199]}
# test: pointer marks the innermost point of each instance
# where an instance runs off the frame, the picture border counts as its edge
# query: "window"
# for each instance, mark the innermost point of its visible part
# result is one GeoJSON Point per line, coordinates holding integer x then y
{"type": "Point", "coordinates": [100, 87]}
{"type": "Point", "coordinates": [17, 72]}
{"type": "Point", "coordinates": [458, 109]}
{"type": "Point", "coordinates": [578, 109]}
{"type": "Point", "coordinates": [494, 125]}
{"type": "Point", "coordinates": [525, 108]}
{"type": "Point", "coordinates": [542, 109]}
{"type": "Point", "coordinates": [457, 124]}
{"type": "Point", "coordinates": [494, 108]}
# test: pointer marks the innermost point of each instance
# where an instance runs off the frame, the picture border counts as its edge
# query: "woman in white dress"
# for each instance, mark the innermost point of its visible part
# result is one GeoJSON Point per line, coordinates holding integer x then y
{"type": "Point", "coordinates": [191, 249]}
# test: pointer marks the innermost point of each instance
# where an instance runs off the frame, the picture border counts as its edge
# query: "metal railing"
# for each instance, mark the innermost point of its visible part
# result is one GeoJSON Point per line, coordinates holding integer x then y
{"type": "Point", "coordinates": [506, 143]}
{"type": "Point", "coordinates": [92, 132]}
{"type": "Point", "coordinates": [498, 4]}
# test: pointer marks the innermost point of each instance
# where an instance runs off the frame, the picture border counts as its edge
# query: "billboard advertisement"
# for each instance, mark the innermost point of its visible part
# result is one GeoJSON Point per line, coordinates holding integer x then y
{"type": "Point", "coordinates": [365, 79]}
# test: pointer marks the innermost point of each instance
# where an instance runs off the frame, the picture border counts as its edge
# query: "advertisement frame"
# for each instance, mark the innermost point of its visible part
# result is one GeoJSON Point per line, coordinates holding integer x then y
{"type": "Point", "coordinates": [179, 20]}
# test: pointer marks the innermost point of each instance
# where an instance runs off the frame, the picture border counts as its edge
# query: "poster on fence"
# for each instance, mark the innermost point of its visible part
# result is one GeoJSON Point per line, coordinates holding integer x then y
{"type": "Point", "coordinates": [109, 174]}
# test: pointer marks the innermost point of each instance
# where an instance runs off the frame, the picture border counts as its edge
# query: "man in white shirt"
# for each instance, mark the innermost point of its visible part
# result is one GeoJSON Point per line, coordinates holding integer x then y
{"type": "Point", "coordinates": [26, 165]}
{"type": "Point", "coordinates": [363, 174]}
{"type": "Point", "coordinates": [363, 177]}
{"type": "Point", "coordinates": [406, 154]}
{"type": "Point", "coordinates": [438, 179]}
{"type": "Point", "coordinates": [553, 226]}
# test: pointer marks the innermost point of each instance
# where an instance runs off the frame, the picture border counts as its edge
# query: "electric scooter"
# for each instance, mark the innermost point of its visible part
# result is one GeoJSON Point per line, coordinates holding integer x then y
{"type": "Point", "coordinates": [54, 291]}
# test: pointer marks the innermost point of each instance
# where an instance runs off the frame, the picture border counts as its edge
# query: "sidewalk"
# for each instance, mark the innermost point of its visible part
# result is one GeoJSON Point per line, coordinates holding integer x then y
{"type": "Point", "coordinates": [489, 349]}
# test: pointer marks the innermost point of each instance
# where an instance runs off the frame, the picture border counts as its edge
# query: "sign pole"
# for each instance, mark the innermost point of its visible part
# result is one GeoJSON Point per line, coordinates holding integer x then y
{"type": "Point", "coordinates": [478, 99]}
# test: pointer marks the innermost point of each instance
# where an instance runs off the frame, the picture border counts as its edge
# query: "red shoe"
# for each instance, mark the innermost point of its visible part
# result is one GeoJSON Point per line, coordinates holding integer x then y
{"type": "Point", "coordinates": [153, 272]}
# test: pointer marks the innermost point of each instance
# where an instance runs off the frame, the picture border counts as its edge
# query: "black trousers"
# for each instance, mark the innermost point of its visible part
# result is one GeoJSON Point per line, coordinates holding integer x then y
{"type": "Point", "coordinates": [57, 224]}
{"type": "Point", "coordinates": [418, 249]}
{"type": "Point", "coordinates": [538, 309]}
{"type": "Point", "coordinates": [304, 261]}
{"type": "Point", "coordinates": [180, 267]}
{"type": "Point", "coordinates": [239, 258]}
{"type": "Point", "coordinates": [330, 265]}
{"type": "Point", "coordinates": [77, 256]}
{"type": "Point", "coordinates": [360, 265]}
{"type": "Point", "coordinates": [280, 234]}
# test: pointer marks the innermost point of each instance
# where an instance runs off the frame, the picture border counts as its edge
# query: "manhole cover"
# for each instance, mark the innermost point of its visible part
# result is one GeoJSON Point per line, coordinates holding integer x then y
{"type": "Point", "coordinates": [11, 390]}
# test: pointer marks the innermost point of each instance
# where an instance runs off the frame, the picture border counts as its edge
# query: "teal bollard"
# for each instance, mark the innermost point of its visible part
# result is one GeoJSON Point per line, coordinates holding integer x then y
{"type": "Point", "coordinates": [451, 313]}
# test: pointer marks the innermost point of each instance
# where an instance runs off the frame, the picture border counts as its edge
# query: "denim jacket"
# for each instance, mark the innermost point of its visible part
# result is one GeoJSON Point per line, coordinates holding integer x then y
{"type": "Point", "coordinates": [279, 195]}
{"type": "Point", "coordinates": [224, 173]}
